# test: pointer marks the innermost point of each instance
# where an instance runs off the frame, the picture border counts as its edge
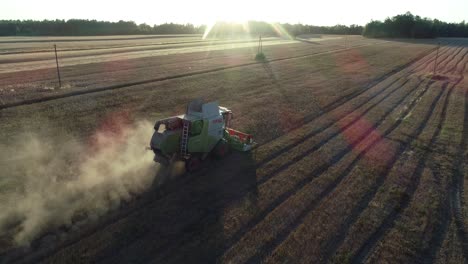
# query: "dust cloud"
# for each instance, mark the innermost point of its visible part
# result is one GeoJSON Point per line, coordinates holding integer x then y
{"type": "Point", "coordinates": [53, 183]}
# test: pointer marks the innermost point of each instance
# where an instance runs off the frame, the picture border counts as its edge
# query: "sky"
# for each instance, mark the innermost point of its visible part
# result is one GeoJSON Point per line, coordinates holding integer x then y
{"type": "Point", "coordinates": [323, 13]}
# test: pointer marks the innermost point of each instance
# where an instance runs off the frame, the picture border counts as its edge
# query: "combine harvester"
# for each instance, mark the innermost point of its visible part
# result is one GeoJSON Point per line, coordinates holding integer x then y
{"type": "Point", "coordinates": [191, 137]}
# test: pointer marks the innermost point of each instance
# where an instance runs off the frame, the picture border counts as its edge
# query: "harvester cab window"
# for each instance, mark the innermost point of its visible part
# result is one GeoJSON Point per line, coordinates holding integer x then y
{"type": "Point", "coordinates": [161, 128]}
{"type": "Point", "coordinates": [196, 128]}
{"type": "Point", "coordinates": [169, 125]}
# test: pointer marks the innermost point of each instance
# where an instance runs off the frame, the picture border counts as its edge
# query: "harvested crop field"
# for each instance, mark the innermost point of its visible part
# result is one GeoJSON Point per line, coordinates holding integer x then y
{"type": "Point", "coordinates": [361, 158]}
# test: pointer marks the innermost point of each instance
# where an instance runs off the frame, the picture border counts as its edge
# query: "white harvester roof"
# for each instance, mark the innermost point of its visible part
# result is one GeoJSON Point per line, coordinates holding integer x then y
{"type": "Point", "coordinates": [199, 110]}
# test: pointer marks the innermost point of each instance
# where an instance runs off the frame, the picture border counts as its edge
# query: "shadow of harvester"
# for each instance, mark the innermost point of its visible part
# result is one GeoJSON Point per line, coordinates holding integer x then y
{"type": "Point", "coordinates": [188, 224]}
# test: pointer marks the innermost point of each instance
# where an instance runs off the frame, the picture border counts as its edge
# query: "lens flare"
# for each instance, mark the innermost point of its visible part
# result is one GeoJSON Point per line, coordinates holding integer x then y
{"type": "Point", "coordinates": [281, 31]}
{"type": "Point", "coordinates": [245, 25]}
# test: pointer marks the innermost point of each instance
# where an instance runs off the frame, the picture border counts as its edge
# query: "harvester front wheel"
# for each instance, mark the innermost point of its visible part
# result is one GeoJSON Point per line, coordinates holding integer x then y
{"type": "Point", "coordinates": [193, 164]}
{"type": "Point", "coordinates": [221, 149]}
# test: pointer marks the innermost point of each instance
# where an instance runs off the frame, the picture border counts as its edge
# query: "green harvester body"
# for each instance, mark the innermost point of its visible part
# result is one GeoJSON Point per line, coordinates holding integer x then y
{"type": "Point", "coordinates": [191, 137]}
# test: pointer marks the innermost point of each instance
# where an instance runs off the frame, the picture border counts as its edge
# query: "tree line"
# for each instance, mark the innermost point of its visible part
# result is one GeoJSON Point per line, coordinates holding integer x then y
{"type": "Point", "coordinates": [409, 26]}
{"type": "Point", "coordinates": [401, 26]}
{"type": "Point", "coordinates": [82, 27]}
{"type": "Point", "coordinates": [225, 29]}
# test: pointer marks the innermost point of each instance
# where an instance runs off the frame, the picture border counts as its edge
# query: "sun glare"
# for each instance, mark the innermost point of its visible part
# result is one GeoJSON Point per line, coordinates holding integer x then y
{"type": "Point", "coordinates": [236, 12]}
{"type": "Point", "coordinates": [280, 31]}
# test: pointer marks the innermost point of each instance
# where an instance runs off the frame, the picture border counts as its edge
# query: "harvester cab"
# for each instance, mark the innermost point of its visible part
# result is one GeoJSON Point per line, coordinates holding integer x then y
{"type": "Point", "coordinates": [191, 137]}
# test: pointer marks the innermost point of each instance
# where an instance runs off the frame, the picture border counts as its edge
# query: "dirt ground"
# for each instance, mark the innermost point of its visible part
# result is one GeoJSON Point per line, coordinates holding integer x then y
{"type": "Point", "coordinates": [361, 155]}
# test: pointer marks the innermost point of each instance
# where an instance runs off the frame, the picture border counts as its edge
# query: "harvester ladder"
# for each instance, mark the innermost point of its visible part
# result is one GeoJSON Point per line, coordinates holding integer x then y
{"type": "Point", "coordinates": [184, 139]}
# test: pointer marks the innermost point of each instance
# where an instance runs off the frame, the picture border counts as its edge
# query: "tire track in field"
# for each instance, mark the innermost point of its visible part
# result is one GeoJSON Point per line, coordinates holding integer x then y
{"type": "Point", "coordinates": [331, 106]}
{"type": "Point", "coordinates": [363, 253]}
{"type": "Point", "coordinates": [459, 60]}
{"type": "Point", "coordinates": [446, 49]}
{"type": "Point", "coordinates": [271, 247]}
{"type": "Point", "coordinates": [441, 68]}
{"type": "Point", "coordinates": [458, 178]}
{"type": "Point", "coordinates": [446, 210]}
{"type": "Point", "coordinates": [443, 63]}
{"type": "Point", "coordinates": [322, 129]}
{"type": "Point", "coordinates": [453, 188]}
{"type": "Point", "coordinates": [424, 64]}
{"type": "Point", "coordinates": [435, 243]}
{"type": "Point", "coordinates": [363, 203]}
{"type": "Point", "coordinates": [429, 63]}
{"type": "Point", "coordinates": [462, 45]}
{"type": "Point", "coordinates": [340, 236]}
{"type": "Point", "coordinates": [449, 48]}
{"type": "Point", "coordinates": [334, 105]}
{"type": "Point", "coordinates": [391, 219]}
{"type": "Point", "coordinates": [454, 67]}
{"type": "Point", "coordinates": [457, 48]}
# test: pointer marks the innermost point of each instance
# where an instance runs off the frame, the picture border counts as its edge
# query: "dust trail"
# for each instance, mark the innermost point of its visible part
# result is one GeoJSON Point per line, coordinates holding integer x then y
{"type": "Point", "coordinates": [53, 183]}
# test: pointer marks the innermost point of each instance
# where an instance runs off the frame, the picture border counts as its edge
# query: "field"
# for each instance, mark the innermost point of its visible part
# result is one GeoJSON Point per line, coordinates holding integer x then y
{"type": "Point", "coordinates": [361, 158]}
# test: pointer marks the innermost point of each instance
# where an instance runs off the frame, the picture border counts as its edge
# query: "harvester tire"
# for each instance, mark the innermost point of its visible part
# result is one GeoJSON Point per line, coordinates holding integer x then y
{"type": "Point", "coordinates": [193, 164]}
{"type": "Point", "coordinates": [221, 149]}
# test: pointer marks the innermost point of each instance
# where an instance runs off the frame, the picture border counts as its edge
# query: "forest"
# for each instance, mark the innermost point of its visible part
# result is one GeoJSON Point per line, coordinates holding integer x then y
{"type": "Point", "coordinates": [81, 27]}
{"type": "Point", "coordinates": [410, 26]}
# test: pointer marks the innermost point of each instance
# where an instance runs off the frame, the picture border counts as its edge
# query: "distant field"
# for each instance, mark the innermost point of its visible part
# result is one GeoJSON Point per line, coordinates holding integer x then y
{"type": "Point", "coordinates": [25, 44]}
{"type": "Point", "coordinates": [81, 70]}
{"type": "Point", "coordinates": [361, 158]}
{"type": "Point", "coordinates": [22, 62]}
